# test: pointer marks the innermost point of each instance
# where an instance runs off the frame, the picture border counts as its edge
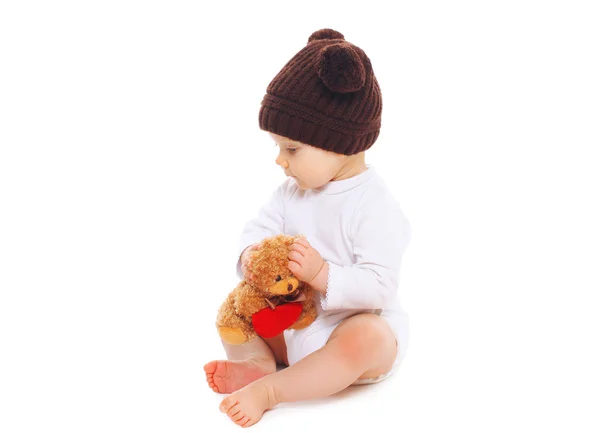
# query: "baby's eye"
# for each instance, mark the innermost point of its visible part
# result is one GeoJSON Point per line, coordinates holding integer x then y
{"type": "Point", "coordinates": [278, 278]}
{"type": "Point", "coordinates": [292, 151]}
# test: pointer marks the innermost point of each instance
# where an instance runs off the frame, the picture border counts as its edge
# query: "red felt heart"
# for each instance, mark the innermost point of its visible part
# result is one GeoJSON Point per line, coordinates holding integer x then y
{"type": "Point", "coordinates": [269, 323]}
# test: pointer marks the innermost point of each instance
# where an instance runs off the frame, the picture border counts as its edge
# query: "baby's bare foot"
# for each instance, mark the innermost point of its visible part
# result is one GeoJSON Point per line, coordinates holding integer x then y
{"type": "Point", "coordinates": [246, 406]}
{"type": "Point", "coordinates": [226, 377]}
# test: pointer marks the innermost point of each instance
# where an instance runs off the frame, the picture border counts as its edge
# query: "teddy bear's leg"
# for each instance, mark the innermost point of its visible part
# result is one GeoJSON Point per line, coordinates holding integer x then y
{"type": "Point", "coordinates": [236, 333]}
{"type": "Point", "coordinates": [235, 330]}
{"type": "Point", "coordinates": [232, 328]}
{"type": "Point", "coordinates": [232, 335]}
{"type": "Point", "coordinates": [308, 315]}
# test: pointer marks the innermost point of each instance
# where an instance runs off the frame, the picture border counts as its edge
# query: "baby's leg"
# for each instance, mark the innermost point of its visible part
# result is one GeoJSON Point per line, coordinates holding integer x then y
{"type": "Point", "coordinates": [245, 363]}
{"type": "Point", "coordinates": [362, 346]}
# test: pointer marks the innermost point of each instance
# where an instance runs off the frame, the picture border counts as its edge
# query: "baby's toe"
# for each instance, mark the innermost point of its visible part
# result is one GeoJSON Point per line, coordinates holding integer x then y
{"type": "Point", "coordinates": [210, 367]}
{"type": "Point", "coordinates": [235, 409]}
{"type": "Point", "coordinates": [227, 403]}
{"type": "Point", "coordinates": [210, 380]}
{"type": "Point", "coordinates": [237, 417]}
{"type": "Point", "coordinates": [243, 421]}
{"type": "Point", "coordinates": [212, 386]}
{"type": "Point", "coordinates": [248, 423]}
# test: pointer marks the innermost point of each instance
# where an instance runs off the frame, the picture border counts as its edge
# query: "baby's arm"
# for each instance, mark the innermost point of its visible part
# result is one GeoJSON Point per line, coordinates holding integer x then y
{"type": "Point", "coordinates": [381, 234]}
{"type": "Point", "coordinates": [268, 222]}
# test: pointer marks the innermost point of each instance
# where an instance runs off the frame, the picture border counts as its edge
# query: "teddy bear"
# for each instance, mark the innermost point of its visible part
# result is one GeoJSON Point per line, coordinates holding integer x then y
{"type": "Point", "coordinates": [272, 300]}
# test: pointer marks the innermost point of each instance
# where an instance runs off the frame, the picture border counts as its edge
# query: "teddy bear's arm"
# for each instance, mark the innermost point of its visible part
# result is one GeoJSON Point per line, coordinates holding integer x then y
{"type": "Point", "coordinates": [248, 301]}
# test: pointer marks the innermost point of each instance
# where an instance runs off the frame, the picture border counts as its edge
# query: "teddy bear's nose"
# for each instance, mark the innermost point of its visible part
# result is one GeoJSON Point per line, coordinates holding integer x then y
{"type": "Point", "coordinates": [290, 287]}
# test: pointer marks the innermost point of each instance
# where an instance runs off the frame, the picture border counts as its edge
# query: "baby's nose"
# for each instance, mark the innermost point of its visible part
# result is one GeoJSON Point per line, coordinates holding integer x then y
{"type": "Point", "coordinates": [281, 163]}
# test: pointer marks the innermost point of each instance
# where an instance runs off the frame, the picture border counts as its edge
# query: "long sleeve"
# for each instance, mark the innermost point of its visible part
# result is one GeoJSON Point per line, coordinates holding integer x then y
{"type": "Point", "coordinates": [380, 236]}
{"type": "Point", "coordinates": [268, 222]}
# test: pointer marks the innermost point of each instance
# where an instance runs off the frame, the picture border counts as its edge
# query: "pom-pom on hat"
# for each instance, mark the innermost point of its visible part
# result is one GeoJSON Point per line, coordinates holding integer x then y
{"type": "Point", "coordinates": [326, 96]}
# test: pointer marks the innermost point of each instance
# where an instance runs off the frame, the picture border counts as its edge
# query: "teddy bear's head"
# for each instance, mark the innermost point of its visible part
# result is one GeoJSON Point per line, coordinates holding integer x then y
{"type": "Point", "coordinates": [268, 266]}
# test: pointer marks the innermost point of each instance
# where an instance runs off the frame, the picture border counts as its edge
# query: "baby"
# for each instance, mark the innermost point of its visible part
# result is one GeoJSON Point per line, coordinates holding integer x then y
{"type": "Point", "coordinates": [323, 110]}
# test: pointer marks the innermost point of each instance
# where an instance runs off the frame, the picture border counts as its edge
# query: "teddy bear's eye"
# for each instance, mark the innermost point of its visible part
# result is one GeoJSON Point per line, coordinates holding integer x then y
{"type": "Point", "coordinates": [278, 278]}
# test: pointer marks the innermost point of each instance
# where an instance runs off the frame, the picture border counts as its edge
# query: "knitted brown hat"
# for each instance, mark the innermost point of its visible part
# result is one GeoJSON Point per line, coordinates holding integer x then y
{"type": "Point", "coordinates": [326, 96]}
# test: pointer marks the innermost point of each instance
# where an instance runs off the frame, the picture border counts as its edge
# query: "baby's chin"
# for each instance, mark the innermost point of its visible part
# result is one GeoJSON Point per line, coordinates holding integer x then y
{"type": "Point", "coordinates": [301, 185]}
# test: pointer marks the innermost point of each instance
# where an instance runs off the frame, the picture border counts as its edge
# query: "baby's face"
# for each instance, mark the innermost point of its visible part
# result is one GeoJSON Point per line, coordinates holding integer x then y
{"type": "Point", "coordinates": [310, 166]}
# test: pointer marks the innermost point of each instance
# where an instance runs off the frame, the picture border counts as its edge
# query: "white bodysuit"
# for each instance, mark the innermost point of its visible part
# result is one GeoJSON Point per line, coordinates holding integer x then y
{"type": "Point", "coordinates": [359, 229]}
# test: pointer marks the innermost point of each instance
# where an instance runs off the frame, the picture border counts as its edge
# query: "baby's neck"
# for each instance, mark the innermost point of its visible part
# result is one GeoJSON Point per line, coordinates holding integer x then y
{"type": "Point", "coordinates": [354, 165]}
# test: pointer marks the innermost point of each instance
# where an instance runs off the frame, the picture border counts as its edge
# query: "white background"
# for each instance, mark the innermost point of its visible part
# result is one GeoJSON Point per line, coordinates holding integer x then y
{"type": "Point", "coordinates": [131, 158]}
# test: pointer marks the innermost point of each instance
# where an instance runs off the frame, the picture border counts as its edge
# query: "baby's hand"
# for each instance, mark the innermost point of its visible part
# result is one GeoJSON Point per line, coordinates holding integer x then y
{"type": "Point", "coordinates": [246, 260]}
{"type": "Point", "coordinates": [305, 262]}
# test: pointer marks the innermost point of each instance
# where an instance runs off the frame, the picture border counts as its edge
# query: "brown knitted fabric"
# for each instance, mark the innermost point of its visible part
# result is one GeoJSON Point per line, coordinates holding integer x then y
{"type": "Point", "coordinates": [326, 96]}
